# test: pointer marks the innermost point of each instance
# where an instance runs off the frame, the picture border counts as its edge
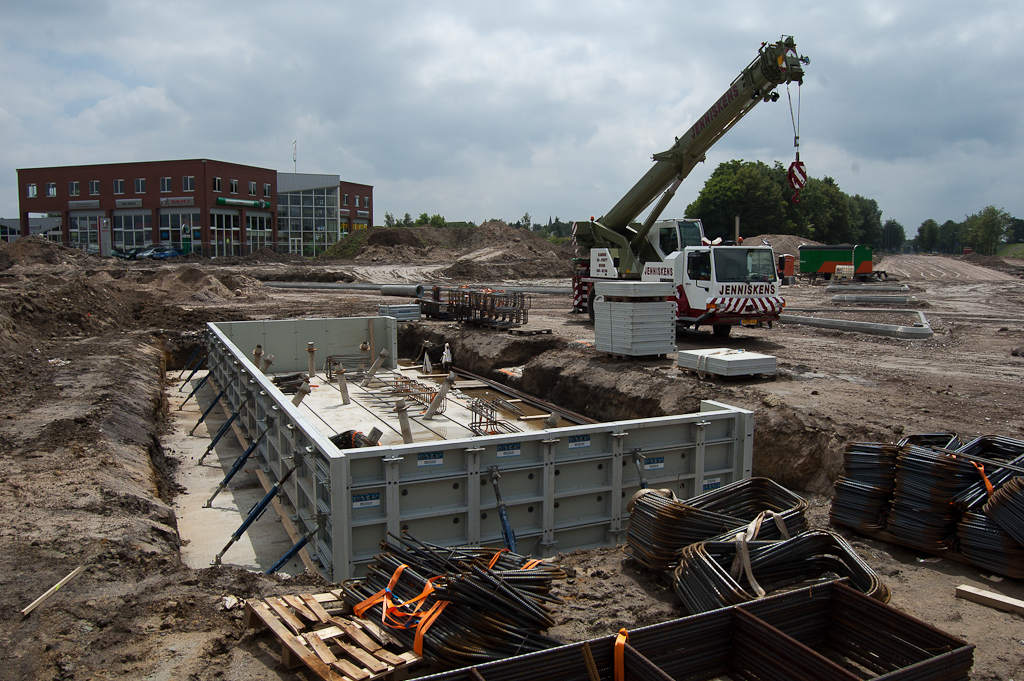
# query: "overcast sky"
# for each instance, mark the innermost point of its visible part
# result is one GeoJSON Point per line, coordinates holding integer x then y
{"type": "Point", "coordinates": [551, 108]}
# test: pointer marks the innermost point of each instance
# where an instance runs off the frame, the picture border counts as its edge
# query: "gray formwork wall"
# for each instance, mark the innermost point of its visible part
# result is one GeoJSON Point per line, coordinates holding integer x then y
{"type": "Point", "coordinates": [565, 488]}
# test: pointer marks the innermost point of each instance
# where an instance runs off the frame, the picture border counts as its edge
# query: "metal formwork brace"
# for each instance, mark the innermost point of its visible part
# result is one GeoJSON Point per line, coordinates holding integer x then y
{"type": "Point", "coordinates": [508, 535]}
{"type": "Point", "coordinates": [239, 463]}
{"type": "Point", "coordinates": [293, 551]}
{"type": "Point", "coordinates": [254, 513]}
{"type": "Point", "coordinates": [194, 390]}
{"type": "Point", "coordinates": [208, 409]}
{"type": "Point", "coordinates": [216, 438]}
{"type": "Point", "coordinates": [195, 353]}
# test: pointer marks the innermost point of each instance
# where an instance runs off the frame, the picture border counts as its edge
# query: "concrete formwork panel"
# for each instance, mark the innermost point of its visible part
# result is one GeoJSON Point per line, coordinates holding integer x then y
{"type": "Point", "coordinates": [564, 488]}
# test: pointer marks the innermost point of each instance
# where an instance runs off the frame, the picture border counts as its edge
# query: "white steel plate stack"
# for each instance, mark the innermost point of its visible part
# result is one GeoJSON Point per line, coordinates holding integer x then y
{"type": "Point", "coordinates": [726, 362]}
{"type": "Point", "coordinates": [404, 313]}
{"type": "Point", "coordinates": [634, 318]}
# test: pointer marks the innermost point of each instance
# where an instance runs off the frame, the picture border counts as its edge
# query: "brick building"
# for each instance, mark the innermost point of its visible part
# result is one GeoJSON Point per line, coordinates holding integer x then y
{"type": "Point", "coordinates": [198, 205]}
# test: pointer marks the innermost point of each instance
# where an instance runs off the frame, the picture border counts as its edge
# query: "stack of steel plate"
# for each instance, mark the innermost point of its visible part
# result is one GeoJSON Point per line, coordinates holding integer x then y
{"type": "Point", "coordinates": [713, 575]}
{"type": "Point", "coordinates": [726, 362]}
{"type": "Point", "coordinates": [404, 313]}
{"type": "Point", "coordinates": [927, 480]}
{"type": "Point", "coordinates": [660, 525]}
{"type": "Point", "coordinates": [634, 318]}
{"type": "Point", "coordinates": [828, 631]}
{"type": "Point", "coordinates": [864, 492]}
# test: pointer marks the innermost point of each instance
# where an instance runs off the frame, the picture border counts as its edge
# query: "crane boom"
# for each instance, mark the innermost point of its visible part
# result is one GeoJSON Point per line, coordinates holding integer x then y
{"type": "Point", "coordinates": [776, 63]}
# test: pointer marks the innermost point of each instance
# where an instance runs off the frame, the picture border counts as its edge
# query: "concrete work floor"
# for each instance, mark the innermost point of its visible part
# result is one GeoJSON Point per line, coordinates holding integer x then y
{"type": "Point", "coordinates": [374, 407]}
{"type": "Point", "coordinates": [205, 531]}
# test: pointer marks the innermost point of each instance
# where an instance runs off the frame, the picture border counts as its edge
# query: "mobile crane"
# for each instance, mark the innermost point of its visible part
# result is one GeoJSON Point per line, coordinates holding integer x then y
{"type": "Point", "coordinates": [716, 285]}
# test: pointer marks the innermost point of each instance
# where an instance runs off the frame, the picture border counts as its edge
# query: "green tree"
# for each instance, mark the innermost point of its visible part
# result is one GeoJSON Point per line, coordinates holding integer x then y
{"type": "Point", "coordinates": [407, 221]}
{"type": "Point", "coordinates": [1015, 232]}
{"type": "Point", "coordinates": [389, 220]}
{"type": "Point", "coordinates": [893, 235]}
{"type": "Point", "coordinates": [866, 218]}
{"type": "Point", "coordinates": [749, 190]}
{"type": "Point", "coordinates": [526, 222]}
{"type": "Point", "coordinates": [436, 221]}
{"type": "Point", "coordinates": [949, 237]}
{"type": "Point", "coordinates": [985, 230]}
{"type": "Point", "coordinates": [928, 235]}
{"type": "Point", "coordinates": [423, 219]}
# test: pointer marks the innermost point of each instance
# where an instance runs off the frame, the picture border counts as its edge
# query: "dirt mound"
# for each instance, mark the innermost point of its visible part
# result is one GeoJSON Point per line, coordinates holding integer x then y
{"type": "Point", "coordinates": [985, 260]}
{"type": "Point", "coordinates": [468, 270]}
{"type": "Point", "coordinates": [782, 243]}
{"type": "Point", "coordinates": [393, 237]}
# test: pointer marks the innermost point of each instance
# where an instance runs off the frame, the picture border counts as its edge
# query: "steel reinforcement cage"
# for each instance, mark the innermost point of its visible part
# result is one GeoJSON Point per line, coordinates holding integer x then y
{"type": "Point", "coordinates": [564, 488]}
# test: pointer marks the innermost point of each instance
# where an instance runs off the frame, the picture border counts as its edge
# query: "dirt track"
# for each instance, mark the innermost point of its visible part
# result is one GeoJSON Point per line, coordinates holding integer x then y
{"type": "Point", "coordinates": [86, 481]}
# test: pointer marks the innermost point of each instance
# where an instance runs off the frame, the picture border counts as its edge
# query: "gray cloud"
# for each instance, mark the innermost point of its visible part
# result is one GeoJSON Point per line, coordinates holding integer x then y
{"type": "Point", "coordinates": [473, 112]}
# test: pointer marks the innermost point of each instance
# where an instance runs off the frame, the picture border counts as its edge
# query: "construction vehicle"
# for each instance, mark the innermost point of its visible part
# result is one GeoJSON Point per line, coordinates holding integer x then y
{"type": "Point", "coordinates": [716, 285]}
{"type": "Point", "coordinates": [826, 261]}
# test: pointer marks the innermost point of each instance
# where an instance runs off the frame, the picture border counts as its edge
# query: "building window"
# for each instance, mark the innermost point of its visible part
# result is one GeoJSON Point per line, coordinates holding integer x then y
{"type": "Point", "coordinates": [94, 187]}
{"type": "Point", "coordinates": [51, 189]}
{"type": "Point", "coordinates": [31, 191]}
{"type": "Point", "coordinates": [73, 188]}
{"type": "Point", "coordinates": [119, 186]}
{"type": "Point", "coordinates": [216, 184]}
{"type": "Point", "coordinates": [266, 190]}
{"type": "Point", "coordinates": [140, 185]}
{"type": "Point", "coordinates": [357, 200]}
{"type": "Point", "coordinates": [344, 200]}
{"type": "Point", "coordinates": [366, 202]}
{"type": "Point", "coordinates": [165, 185]}
{"type": "Point", "coordinates": [234, 186]}
{"type": "Point", "coordinates": [188, 183]}
{"type": "Point", "coordinates": [252, 188]}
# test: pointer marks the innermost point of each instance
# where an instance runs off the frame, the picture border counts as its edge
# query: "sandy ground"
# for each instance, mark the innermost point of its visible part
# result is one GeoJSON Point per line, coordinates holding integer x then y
{"type": "Point", "coordinates": [90, 476]}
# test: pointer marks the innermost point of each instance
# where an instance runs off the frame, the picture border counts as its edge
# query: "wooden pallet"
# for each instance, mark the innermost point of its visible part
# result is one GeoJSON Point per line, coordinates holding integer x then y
{"type": "Point", "coordinates": [332, 646]}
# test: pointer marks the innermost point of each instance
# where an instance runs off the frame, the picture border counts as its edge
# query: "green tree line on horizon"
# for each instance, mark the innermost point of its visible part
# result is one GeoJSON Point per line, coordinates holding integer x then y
{"type": "Point", "coordinates": [762, 198]}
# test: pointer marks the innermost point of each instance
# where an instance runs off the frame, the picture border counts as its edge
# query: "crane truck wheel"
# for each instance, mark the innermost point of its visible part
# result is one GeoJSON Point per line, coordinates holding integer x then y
{"type": "Point", "coordinates": [721, 330]}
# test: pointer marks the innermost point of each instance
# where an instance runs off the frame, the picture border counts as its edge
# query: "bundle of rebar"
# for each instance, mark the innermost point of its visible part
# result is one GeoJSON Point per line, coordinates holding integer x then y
{"type": "Point", "coordinates": [1006, 507]}
{"type": "Point", "coordinates": [990, 477]}
{"type": "Point", "coordinates": [927, 480]}
{"type": "Point", "coordinates": [489, 603]}
{"type": "Point", "coordinates": [716, 574]}
{"type": "Point", "coordinates": [983, 542]}
{"type": "Point", "coordinates": [660, 524]}
{"type": "Point", "coordinates": [864, 492]}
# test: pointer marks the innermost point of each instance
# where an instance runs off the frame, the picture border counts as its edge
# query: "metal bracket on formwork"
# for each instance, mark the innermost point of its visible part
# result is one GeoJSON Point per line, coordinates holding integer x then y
{"type": "Point", "coordinates": [218, 436]}
{"type": "Point", "coordinates": [440, 396]}
{"type": "Point", "coordinates": [342, 386]}
{"type": "Point", "coordinates": [403, 420]}
{"type": "Point", "coordinates": [374, 367]}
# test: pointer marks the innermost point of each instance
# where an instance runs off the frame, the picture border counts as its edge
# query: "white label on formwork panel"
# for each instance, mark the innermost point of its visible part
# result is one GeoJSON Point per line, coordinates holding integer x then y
{"type": "Point", "coordinates": [430, 459]}
{"type": "Point", "coordinates": [712, 483]}
{"type": "Point", "coordinates": [366, 500]}
{"type": "Point", "coordinates": [654, 463]}
{"type": "Point", "coordinates": [579, 441]}
{"type": "Point", "coordinates": [510, 449]}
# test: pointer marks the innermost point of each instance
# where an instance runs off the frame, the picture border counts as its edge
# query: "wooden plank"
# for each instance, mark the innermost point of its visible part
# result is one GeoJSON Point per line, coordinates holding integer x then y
{"type": "Point", "coordinates": [315, 607]}
{"type": "Point", "coordinates": [52, 590]}
{"type": "Point", "coordinates": [364, 658]}
{"type": "Point", "coordinates": [350, 670]}
{"type": "Point", "coordinates": [379, 634]}
{"type": "Point", "coordinates": [357, 635]}
{"type": "Point", "coordinates": [285, 615]}
{"type": "Point", "coordinates": [990, 598]}
{"type": "Point", "coordinates": [320, 648]}
{"type": "Point", "coordinates": [252, 618]}
{"type": "Point", "coordinates": [301, 608]}
{"type": "Point", "coordinates": [330, 632]}
{"type": "Point", "coordinates": [291, 643]}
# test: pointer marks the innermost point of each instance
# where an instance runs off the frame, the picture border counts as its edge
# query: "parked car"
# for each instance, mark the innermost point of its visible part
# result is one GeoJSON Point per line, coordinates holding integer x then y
{"type": "Point", "coordinates": [158, 253]}
{"type": "Point", "coordinates": [164, 252]}
{"type": "Point", "coordinates": [128, 253]}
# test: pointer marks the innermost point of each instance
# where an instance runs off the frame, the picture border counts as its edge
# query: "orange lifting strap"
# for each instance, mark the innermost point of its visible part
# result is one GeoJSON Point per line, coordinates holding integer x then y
{"type": "Point", "coordinates": [981, 471]}
{"type": "Point", "coordinates": [620, 652]}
